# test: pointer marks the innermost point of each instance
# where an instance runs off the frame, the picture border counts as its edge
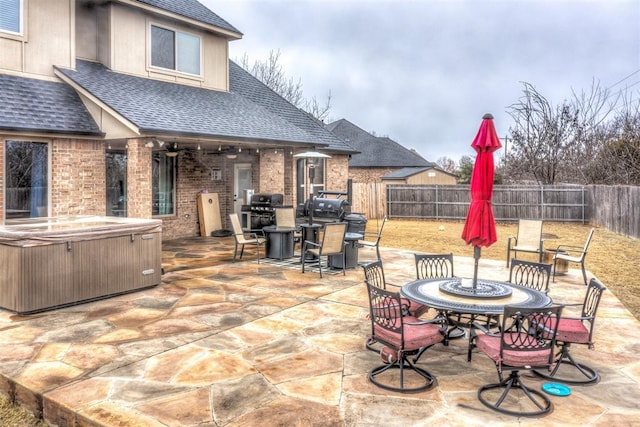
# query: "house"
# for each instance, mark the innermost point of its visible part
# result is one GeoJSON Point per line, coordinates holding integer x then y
{"type": "Point", "coordinates": [380, 159]}
{"type": "Point", "coordinates": [132, 108]}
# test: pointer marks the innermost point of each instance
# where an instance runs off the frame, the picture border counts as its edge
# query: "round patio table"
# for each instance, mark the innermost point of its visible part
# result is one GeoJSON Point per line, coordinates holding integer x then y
{"type": "Point", "coordinates": [441, 295]}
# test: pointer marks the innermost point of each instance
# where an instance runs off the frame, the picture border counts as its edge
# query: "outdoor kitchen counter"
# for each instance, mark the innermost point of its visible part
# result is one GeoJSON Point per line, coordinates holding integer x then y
{"type": "Point", "coordinates": [52, 262]}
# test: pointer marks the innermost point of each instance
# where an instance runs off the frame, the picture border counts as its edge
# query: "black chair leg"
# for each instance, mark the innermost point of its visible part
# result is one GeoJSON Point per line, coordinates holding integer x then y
{"type": "Point", "coordinates": [541, 402]}
{"type": "Point", "coordinates": [404, 366]}
{"type": "Point", "coordinates": [590, 375]}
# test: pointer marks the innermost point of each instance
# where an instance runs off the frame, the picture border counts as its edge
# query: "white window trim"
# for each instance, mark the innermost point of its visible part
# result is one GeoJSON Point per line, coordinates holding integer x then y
{"type": "Point", "coordinates": [170, 71]}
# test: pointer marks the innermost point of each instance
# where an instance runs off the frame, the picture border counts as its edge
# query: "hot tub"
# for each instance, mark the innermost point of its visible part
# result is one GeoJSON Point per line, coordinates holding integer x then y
{"type": "Point", "coordinates": [47, 263]}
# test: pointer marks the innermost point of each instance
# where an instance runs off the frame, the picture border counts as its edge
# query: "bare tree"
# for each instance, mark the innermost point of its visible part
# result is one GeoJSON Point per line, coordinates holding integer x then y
{"type": "Point", "coordinates": [271, 73]}
{"type": "Point", "coordinates": [551, 143]}
{"type": "Point", "coordinates": [447, 164]}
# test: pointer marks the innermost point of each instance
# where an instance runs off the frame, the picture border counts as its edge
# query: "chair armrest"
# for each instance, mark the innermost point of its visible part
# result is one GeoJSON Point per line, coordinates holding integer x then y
{"type": "Point", "coordinates": [309, 242]}
{"type": "Point", "coordinates": [441, 320]}
{"type": "Point", "coordinates": [476, 325]}
{"type": "Point", "coordinates": [570, 248]}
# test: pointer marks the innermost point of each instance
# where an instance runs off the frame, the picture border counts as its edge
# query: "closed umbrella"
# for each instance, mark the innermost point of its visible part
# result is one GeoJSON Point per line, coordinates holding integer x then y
{"type": "Point", "coordinates": [480, 227]}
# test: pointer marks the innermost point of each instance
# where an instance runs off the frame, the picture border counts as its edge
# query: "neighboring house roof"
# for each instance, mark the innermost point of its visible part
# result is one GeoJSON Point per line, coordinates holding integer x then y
{"type": "Point", "coordinates": [158, 107]}
{"type": "Point", "coordinates": [38, 105]}
{"type": "Point", "coordinates": [192, 9]}
{"type": "Point", "coordinates": [375, 152]}
{"type": "Point", "coordinates": [407, 172]}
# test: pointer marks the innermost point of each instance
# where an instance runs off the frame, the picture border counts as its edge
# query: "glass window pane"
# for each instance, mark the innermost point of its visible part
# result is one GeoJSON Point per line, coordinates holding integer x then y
{"type": "Point", "coordinates": [162, 48]}
{"type": "Point", "coordinates": [163, 184]}
{"type": "Point", "coordinates": [27, 180]}
{"type": "Point", "coordinates": [188, 53]}
{"type": "Point", "coordinates": [10, 15]}
{"type": "Point", "coordinates": [116, 183]}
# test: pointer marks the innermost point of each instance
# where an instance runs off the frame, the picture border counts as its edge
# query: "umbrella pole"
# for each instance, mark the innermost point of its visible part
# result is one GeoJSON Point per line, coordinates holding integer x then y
{"type": "Point", "coordinates": [476, 257]}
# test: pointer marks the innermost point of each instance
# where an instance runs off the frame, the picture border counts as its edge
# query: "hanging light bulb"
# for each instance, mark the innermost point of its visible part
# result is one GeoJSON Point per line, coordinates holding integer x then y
{"type": "Point", "coordinates": [199, 147]}
{"type": "Point", "coordinates": [257, 150]}
{"type": "Point", "coordinates": [275, 151]}
{"type": "Point", "coordinates": [239, 149]}
{"type": "Point", "coordinates": [219, 147]}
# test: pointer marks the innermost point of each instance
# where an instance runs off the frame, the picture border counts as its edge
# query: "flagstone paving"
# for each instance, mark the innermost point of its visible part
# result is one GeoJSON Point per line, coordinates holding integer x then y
{"type": "Point", "coordinates": [248, 344]}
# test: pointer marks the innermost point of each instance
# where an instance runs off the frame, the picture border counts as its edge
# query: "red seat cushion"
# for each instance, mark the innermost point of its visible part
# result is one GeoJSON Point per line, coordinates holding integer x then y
{"type": "Point", "coordinates": [572, 330]}
{"type": "Point", "coordinates": [415, 336]}
{"type": "Point", "coordinates": [490, 345]}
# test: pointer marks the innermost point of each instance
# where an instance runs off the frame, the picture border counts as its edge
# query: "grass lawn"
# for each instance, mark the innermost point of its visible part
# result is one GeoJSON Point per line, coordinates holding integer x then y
{"type": "Point", "coordinates": [612, 258]}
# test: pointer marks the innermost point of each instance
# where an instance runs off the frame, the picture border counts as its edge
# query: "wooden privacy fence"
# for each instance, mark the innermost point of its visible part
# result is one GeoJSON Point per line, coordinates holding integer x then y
{"type": "Point", "coordinates": [510, 203]}
{"type": "Point", "coordinates": [616, 208]}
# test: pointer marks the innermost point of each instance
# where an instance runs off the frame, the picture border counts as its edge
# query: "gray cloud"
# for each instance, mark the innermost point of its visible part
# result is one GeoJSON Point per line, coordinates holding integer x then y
{"type": "Point", "coordinates": [424, 72]}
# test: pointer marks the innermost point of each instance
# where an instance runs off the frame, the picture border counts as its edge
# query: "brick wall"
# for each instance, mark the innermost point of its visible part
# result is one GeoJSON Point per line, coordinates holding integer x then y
{"type": "Point", "coordinates": [272, 171]}
{"type": "Point", "coordinates": [336, 173]}
{"type": "Point", "coordinates": [77, 177]}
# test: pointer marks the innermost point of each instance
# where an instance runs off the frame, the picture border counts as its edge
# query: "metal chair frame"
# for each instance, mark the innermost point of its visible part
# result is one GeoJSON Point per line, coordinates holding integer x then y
{"type": "Point", "coordinates": [590, 305]}
{"type": "Point", "coordinates": [534, 275]}
{"type": "Point", "coordinates": [528, 239]}
{"type": "Point", "coordinates": [374, 276]}
{"type": "Point", "coordinates": [241, 239]}
{"type": "Point", "coordinates": [389, 327]}
{"type": "Point", "coordinates": [440, 266]}
{"type": "Point", "coordinates": [375, 242]}
{"type": "Point", "coordinates": [564, 252]}
{"type": "Point", "coordinates": [332, 244]}
{"type": "Point", "coordinates": [524, 331]}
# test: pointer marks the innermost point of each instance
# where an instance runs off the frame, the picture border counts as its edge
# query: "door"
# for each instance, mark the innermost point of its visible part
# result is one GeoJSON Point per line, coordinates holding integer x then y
{"type": "Point", "coordinates": [242, 180]}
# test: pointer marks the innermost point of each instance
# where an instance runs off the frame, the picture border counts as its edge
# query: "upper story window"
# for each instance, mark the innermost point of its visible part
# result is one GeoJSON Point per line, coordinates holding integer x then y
{"type": "Point", "coordinates": [175, 50]}
{"type": "Point", "coordinates": [11, 16]}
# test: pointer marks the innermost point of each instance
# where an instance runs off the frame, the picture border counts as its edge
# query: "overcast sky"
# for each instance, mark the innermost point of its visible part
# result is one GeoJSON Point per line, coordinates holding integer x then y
{"type": "Point", "coordinates": [424, 72]}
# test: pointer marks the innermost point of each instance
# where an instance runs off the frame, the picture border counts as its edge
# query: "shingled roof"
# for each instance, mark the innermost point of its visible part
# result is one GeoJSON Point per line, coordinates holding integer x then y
{"type": "Point", "coordinates": [249, 111]}
{"type": "Point", "coordinates": [375, 152]}
{"type": "Point", "coordinates": [192, 9]}
{"type": "Point", "coordinates": [37, 105]}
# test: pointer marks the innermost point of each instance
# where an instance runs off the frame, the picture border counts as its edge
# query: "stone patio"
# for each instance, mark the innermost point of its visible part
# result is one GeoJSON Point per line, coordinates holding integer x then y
{"type": "Point", "coordinates": [248, 344]}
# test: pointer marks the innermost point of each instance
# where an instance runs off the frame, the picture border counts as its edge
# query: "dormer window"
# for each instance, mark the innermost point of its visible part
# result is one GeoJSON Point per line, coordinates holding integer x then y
{"type": "Point", "coordinates": [174, 50]}
{"type": "Point", "coordinates": [11, 16]}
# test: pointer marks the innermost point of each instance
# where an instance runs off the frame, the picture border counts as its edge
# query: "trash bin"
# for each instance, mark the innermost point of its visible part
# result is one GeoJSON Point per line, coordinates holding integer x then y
{"type": "Point", "coordinates": [356, 223]}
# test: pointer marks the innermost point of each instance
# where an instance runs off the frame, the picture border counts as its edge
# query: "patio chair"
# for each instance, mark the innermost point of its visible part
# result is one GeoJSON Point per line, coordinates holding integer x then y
{"type": "Point", "coordinates": [286, 217]}
{"type": "Point", "coordinates": [332, 244]}
{"type": "Point", "coordinates": [574, 254]}
{"type": "Point", "coordinates": [434, 266]}
{"type": "Point", "coordinates": [400, 336]}
{"type": "Point", "coordinates": [577, 330]}
{"type": "Point", "coordinates": [374, 241]}
{"type": "Point", "coordinates": [374, 275]}
{"type": "Point", "coordinates": [439, 266]}
{"type": "Point", "coordinates": [519, 346]}
{"type": "Point", "coordinates": [528, 239]}
{"type": "Point", "coordinates": [533, 275]}
{"type": "Point", "coordinates": [242, 239]}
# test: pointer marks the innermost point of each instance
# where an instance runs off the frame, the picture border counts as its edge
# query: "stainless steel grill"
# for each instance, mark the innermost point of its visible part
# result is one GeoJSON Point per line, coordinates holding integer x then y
{"type": "Point", "coordinates": [262, 208]}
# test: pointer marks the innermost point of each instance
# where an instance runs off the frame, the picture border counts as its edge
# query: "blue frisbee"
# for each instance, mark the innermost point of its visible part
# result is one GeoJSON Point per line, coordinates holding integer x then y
{"type": "Point", "coordinates": [556, 389]}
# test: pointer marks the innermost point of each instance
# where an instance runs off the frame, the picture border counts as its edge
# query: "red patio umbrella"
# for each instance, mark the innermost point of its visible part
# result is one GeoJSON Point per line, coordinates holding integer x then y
{"type": "Point", "coordinates": [480, 227]}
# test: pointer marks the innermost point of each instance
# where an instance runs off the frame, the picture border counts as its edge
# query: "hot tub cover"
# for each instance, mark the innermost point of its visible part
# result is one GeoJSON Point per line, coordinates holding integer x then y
{"type": "Point", "coordinates": [52, 230]}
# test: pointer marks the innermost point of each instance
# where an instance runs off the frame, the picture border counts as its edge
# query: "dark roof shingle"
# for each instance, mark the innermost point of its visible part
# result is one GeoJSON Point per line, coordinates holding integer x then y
{"type": "Point", "coordinates": [28, 104]}
{"type": "Point", "coordinates": [192, 9]}
{"type": "Point", "coordinates": [249, 111]}
{"type": "Point", "coordinates": [375, 151]}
